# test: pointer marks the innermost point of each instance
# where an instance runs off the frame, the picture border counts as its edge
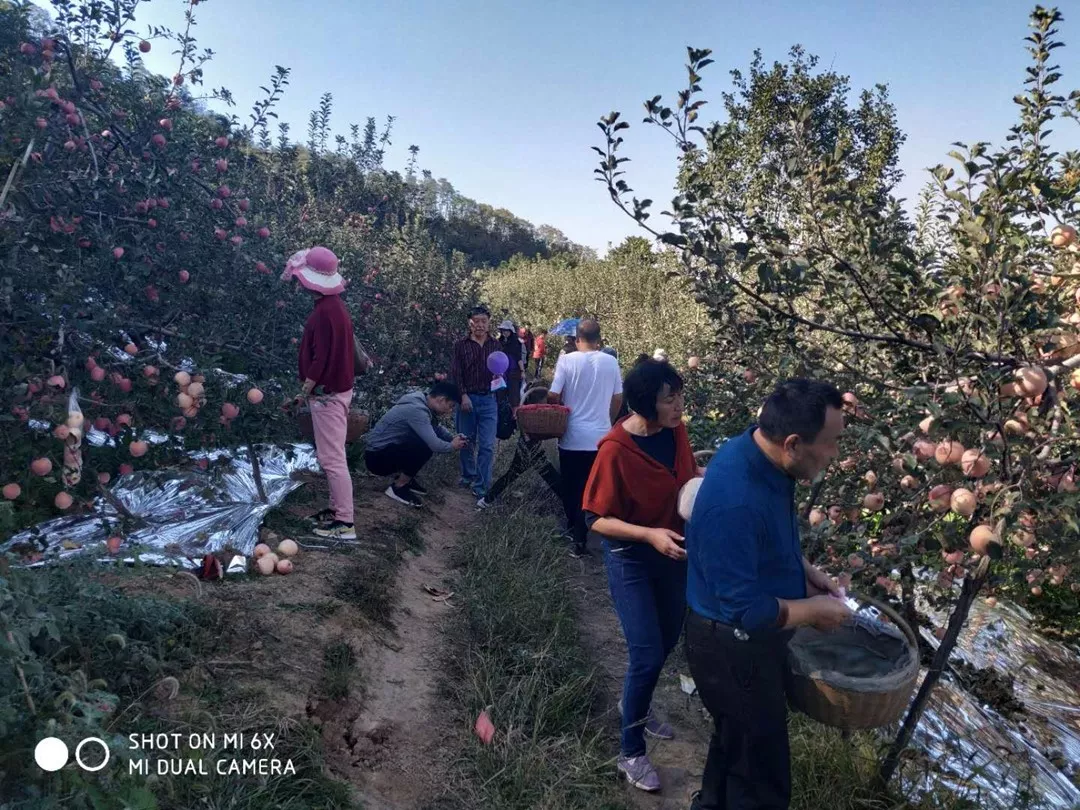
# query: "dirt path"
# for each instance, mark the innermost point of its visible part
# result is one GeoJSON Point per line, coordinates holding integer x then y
{"type": "Point", "coordinates": [679, 761]}
{"type": "Point", "coordinates": [389, 741]}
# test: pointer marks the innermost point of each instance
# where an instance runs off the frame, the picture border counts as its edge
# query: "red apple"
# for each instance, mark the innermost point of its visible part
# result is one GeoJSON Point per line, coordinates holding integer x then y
{"type": "Point", "coordinates": [874, 502]}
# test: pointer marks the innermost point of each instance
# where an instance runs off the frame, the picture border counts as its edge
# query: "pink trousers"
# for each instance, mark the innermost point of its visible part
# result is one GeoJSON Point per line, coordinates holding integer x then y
{"type": "Point", "coordinates": [329, 418]}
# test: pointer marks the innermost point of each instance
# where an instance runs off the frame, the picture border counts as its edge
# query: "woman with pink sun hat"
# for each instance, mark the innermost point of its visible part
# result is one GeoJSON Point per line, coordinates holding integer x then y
{"type": "Point", "coordinates": [327, 370]}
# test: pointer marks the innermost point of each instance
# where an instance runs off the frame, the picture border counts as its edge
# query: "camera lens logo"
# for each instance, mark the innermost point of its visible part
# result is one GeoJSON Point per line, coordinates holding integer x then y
{"type": "Point", "coordinates": [51, 754]}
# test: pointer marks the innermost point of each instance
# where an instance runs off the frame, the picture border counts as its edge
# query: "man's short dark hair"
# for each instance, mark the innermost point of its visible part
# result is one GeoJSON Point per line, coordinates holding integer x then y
{"type": "Point", "coordinates": [644, 383]}
{"type": "Point", "coordinates": [588, 330]}
{"type": "Point", "coordinates": [479, 309]}
{"type": "Point", "coordinates": [797, 408]}
{"type": "Point", "coordinates": [446, 389]}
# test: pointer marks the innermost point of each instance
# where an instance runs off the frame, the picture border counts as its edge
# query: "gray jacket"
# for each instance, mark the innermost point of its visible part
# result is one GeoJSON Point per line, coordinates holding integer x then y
{"type": "Point", "coordinates": [409, 416]}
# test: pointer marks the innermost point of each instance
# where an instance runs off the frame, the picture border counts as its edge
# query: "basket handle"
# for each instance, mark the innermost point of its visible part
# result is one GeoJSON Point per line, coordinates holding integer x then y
{"type": "Point", "coordinates": [905, 628]}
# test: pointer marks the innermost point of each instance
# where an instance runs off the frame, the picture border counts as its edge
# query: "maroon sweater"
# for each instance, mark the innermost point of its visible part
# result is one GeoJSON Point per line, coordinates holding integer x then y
{"type": "Point", "coordinates": [326, 350]}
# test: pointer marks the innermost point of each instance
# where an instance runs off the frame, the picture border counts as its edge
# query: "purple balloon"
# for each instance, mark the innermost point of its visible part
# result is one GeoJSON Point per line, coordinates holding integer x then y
{"type": "Point", "coordinates": [498, 362]}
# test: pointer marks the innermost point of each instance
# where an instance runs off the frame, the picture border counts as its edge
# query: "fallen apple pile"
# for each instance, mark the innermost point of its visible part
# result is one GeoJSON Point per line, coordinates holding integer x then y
{"type": "Point", "coordinates": [268, 562]}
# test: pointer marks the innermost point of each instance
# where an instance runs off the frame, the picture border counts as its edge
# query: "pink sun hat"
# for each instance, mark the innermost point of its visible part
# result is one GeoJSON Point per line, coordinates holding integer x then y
{"type": "Point", "coordinates": [316, 269]}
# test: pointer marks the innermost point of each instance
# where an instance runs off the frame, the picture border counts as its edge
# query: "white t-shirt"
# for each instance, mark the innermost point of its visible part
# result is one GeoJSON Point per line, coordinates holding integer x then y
{"type": "Point", "coordinates": [587, 382]}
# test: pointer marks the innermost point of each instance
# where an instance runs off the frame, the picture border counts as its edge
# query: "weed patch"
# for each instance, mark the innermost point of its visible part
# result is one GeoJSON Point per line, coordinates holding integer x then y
{"type": "Point", "coordinates": [339, 660]}
{"type": "Point", "coordinates": [368, 581]}
{"type": "Point", "coordinates": [101, 662]}
{"type": "Point", "coordinates": [515, 652]}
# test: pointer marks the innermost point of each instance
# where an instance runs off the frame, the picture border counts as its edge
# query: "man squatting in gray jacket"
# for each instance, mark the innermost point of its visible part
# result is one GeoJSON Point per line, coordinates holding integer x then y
{"type": "Point", "coordinates": [408, 435]}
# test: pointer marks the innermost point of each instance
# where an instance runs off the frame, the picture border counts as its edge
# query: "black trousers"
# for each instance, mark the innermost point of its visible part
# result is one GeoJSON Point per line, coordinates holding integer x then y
{"type": "Point", "coordinates": [539, 366]}
{"type": "Point", "coordinates": [528, 455]}
{"type": "Point", "coordinates": [575, 467]}
{"type": "Point", "coordinates": [407, 458]}
{"type": "Point", "coordinates": [513, 389]}
{"type": "Point", "coordinates": [741, 684]}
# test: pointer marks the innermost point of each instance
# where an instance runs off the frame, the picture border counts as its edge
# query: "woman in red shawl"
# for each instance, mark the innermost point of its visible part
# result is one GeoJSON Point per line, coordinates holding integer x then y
{"type": "Point", "coordinates": [632, 501]}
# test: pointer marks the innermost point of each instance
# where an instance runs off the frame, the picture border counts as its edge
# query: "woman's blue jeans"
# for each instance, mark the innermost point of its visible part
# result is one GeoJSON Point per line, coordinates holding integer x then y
{"type": "Point", "coordinates": [649, 591]}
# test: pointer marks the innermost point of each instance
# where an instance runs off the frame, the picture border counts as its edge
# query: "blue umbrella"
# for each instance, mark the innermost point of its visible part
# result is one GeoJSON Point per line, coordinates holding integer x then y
{"type": "Point", "coordinates": [566, 327]}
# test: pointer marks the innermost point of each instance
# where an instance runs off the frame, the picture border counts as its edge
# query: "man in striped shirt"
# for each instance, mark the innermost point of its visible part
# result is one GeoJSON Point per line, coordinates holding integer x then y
{"type": "Point", "coordinates": [477, 415]}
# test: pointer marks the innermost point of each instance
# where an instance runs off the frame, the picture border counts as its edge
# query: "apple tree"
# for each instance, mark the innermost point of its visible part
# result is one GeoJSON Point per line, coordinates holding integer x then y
{"type": "Point", "coordinates": [955, 335]}
{"type": "Point", "coordinates": [142, 238]}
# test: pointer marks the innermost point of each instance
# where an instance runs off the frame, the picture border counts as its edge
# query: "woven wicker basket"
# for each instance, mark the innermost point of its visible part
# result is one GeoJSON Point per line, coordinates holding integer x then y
{"type": "Point", "coordinates": [875, 703]}
{"type": "Point", "coordinates": [539, 420]}
{"type": "Point", "coordinates": [358, 425]}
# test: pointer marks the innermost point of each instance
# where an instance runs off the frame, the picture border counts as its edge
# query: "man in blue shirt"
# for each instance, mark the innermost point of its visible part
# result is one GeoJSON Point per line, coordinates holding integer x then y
{"type": "Point", "coordinates": [749, 585]}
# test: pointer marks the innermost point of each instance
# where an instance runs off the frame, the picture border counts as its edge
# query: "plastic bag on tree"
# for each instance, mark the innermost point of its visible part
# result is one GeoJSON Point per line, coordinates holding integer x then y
{"type": "Point", "coordinates": [72, 471]}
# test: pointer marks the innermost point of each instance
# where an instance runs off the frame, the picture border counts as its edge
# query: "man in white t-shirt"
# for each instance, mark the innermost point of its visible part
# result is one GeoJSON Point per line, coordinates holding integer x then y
{"type": "Point", "coordinates": [588, 382]}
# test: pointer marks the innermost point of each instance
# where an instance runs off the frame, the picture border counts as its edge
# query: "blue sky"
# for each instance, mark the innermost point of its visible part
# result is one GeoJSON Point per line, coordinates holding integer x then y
{"type": "Point", "coordinates": [502, 95]}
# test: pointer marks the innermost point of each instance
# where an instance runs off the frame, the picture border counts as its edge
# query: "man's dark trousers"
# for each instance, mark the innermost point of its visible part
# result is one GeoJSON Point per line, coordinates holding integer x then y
{"type": "Point", "coordinates": [574, 468]}
{"type": "Point", "coordinates": [741, 684]}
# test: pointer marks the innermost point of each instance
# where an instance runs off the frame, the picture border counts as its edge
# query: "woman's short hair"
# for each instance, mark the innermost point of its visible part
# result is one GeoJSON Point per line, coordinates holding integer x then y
{"type": "Point", "coordinates": [645, 382]}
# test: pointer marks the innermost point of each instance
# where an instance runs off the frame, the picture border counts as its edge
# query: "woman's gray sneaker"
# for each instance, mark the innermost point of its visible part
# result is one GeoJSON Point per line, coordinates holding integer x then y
{"type": "Point", "coordinates": [639, 772]}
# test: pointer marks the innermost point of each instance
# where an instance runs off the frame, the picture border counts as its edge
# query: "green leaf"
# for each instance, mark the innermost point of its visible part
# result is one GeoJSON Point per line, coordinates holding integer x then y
{"type": "Point", "coordinates": [973, 229]}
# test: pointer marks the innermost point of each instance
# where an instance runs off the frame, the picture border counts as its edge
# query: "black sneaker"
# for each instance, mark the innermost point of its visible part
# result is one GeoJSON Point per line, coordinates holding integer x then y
{"type": "Point", "coordinates": [403, 495]}
{"type": "Point", "coordinates": [417, 487]}
{"type": "Point", "coordinates": [580, 552]}
{"type": "Point", "coordinates": [337, 531]}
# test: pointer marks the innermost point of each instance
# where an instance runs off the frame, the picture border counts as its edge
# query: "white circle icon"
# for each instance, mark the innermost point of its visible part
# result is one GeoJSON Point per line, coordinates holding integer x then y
{"type": "Point", "coordinates": [51, 754]}
{"type": "Point", "coordinates": [78, 754]}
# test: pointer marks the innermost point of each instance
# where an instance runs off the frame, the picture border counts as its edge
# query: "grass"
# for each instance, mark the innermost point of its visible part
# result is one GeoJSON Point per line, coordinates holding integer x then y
{"type": "Point", "coordinates": [286, 522]}
{"type": "Point", "coordinates": [369, 580]}
{"type": "Point", "coordinates": [514, 650]}
{"type": "Point", "coordinates": [339, 659]}
{"type": "Point", "coordinates": [831, 771]}
{"type": "Point", "coordinates": [323, 608]}
{"type": "Point", "coordinates": [109, 663]}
